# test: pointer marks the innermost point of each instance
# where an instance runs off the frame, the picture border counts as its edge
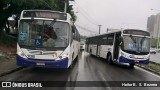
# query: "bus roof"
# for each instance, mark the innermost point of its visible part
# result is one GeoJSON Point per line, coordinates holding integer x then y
{"type": "Point", "coordinates": [116, 31]}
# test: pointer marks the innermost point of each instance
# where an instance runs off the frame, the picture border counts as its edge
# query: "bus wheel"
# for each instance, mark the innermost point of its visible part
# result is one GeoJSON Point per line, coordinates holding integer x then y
{"type": "Point", "coordinates": [131, 65]}
{"type": "Point", "coordinates": [109, 59]}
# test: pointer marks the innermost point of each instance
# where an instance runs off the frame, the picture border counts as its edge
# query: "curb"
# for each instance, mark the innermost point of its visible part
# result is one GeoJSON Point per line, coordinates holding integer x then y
{"type": "Point", "coordinates": [151, 70]}
{"type": "Point", "coordinates": [11, 71]}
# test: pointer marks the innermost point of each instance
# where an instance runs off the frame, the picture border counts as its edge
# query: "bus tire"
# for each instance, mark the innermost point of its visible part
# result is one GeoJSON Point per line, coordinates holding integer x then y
{"type": "Point", "coordinates": [131, 65]}
{"type": "Point", "coordinates": [109, 58]}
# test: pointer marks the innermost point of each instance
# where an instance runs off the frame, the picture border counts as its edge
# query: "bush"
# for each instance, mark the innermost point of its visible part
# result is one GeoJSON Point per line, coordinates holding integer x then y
{"type": "Point", "coordinates": [153, 43]}
{"type": "Point", "coordinates": [7, 39]}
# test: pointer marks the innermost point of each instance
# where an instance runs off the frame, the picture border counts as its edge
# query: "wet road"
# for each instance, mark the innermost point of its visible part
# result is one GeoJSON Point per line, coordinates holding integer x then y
{"type": "Point", "coordinates": [86, 68]}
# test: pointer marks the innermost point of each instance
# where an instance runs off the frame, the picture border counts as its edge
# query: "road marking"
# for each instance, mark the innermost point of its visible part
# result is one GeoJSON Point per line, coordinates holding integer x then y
{"type": "Point", "coordinates": [103, 79]}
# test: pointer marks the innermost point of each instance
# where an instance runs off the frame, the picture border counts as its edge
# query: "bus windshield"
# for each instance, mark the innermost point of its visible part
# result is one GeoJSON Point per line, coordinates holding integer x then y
{"type": "Point", "coordinates": [43, 34]}
{"type": "Point", "coordinates": [136, 44]}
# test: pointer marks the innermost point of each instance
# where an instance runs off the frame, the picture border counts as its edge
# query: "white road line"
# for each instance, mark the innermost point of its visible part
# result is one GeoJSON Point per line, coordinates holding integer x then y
{"type": "Point", "coordinates": [103, 79]}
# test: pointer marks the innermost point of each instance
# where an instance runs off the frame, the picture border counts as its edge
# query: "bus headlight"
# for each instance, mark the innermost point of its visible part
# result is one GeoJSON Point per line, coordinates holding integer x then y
{"type": "Point", "coordinates": [122, 54]}
{"type": "Point", "coordinates": [20, 53]}
{"type": "Point", "coordinates": [146, 57]}
{"type": "Point", "coordinates": [63, 56]}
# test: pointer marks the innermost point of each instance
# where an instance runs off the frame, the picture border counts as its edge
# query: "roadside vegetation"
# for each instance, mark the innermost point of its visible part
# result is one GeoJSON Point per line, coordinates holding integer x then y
{"type": "Point", "coordinates": [152, 66]}
{"type": "Point", "coordinates": [154, 43]}
{"type": "Point", "coordinates": [13, 8]}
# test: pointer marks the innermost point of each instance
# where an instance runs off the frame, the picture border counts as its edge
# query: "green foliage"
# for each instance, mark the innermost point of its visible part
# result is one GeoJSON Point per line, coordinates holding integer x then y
{"type": "Point", "coordinates": [154, 43]}
{"type": "Point", "coordinates": [10, 7]}
{"type": "Point", "coordinates": [155, 67]}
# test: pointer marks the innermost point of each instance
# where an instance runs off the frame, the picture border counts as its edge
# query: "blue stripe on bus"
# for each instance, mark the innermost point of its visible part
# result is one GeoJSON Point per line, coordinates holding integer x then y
{"type": "Point", "coordinates": [125, 60]}
{"type": "Point", "coordinates": [63, 64]}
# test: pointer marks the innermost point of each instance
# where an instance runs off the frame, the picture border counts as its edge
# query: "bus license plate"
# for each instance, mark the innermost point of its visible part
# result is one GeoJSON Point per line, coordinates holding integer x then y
{"type": "Point", "coordinates": [136, 61]}
{"type": "Point", "coordinates": [40, 64]}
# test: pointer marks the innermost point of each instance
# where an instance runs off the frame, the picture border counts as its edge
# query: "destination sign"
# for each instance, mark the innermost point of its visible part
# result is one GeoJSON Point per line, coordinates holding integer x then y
{"type": "Point", "coordinates": [136, 32]}
{"type": "Point", "coordinates": [45, 14]}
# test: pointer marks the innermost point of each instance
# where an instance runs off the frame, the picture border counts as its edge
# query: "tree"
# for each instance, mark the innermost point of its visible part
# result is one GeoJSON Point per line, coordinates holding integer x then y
{"type": "Point", "coordinates": [10, 7]}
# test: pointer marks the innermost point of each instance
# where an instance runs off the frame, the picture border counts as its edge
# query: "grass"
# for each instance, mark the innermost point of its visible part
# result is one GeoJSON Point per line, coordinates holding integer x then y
{"type": "Point", "coordinates": [152, 66]}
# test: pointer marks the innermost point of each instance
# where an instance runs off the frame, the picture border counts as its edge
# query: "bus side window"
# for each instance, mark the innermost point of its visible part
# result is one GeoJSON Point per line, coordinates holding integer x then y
{"type": "Point", "coordinates": [101, 40]}
{"type": "Point", "coordinates": [110, 39]}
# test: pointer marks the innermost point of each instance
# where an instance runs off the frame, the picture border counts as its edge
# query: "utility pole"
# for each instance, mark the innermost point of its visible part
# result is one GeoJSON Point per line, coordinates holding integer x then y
{"type": "Point", "coordinates": [99, 28]}
{"type": "Point", "coordinates": [65, 6]}
{"type": "Point", "coordinates": [106, 30]}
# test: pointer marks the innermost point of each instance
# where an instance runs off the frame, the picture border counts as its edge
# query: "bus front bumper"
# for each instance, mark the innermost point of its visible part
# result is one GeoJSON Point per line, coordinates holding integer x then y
{"type": "Point", "coordinates": [62, 64]}
{"type": "Point", "coordinates": [125, 60]}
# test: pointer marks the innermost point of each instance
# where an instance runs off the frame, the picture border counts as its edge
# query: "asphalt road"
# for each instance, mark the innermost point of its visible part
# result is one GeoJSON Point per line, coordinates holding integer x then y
{"type": "Point", "coordinates": [86, 68]}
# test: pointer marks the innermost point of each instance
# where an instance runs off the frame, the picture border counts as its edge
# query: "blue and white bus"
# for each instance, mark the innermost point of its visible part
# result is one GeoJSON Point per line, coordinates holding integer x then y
{"type": "Point", "coordinates": [47, 39]}
{"type": "Point", "coordinates": [124, 46]}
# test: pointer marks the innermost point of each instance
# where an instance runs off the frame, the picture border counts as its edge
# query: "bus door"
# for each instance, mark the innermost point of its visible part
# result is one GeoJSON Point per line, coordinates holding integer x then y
{"type": "Point", "coordinates": [116, 45]}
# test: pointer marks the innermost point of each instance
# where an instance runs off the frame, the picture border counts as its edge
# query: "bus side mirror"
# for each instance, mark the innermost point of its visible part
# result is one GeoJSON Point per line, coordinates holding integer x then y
{"type": "Point", "coordinates": [120, 44]}
{"type": "Point", "coordinates": [73, 30]}
{"type": "Point", "coordinates": [121, 39]}
{"type": "Point", "coordinates": [73, 33]}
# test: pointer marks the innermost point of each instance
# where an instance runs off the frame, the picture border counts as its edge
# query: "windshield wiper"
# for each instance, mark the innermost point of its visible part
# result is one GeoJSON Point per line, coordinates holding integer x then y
{"type": "Point", "coordinates": [53, 22]}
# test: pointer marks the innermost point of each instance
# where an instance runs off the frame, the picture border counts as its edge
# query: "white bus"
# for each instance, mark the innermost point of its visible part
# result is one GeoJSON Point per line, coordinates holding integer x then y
{"type": "Point", "coordinates": [126, 46]}
{"type": "Point", "coordinates": [82, 44]}
{"type": "Point", "coordinates": [47, 39]}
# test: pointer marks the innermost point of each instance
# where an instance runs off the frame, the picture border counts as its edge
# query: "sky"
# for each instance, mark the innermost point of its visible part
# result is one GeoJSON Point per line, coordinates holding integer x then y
{"type": "Point", "coordinates": [113, 14]}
